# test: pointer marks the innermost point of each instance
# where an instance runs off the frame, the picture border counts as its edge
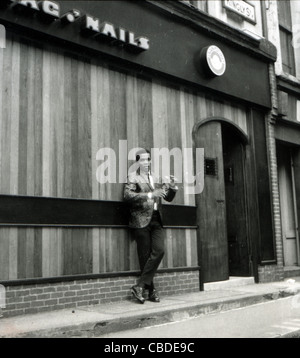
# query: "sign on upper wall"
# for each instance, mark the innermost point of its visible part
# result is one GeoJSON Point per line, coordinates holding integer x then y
{"type": "Point", "coordinates": [242, 8]}
{"type": "Point", "coordinates": [140, 36]}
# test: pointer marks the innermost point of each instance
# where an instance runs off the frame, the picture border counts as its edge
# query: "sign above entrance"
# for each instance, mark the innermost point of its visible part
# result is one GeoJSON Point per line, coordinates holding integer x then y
{"type": "Point", "coordinates": [242, 8]}
{"type": "Point", "coordinates": [122, 34]}
{"type": "Point", "coordinates": [50, 11]}
{"type": "Point", "coordinates": [213, 61]}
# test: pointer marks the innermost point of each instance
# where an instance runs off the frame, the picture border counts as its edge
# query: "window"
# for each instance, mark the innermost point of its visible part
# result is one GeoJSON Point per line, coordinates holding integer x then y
{"type": "Point", "coordinates": [286, 36]}
{"type": "Point", "coordinates": [211, 166]}
{"type": "Point", "coordinates": [197, 4]}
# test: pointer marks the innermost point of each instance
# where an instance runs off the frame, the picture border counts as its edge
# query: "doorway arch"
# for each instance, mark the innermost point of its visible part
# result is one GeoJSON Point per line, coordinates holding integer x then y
{"type": "Point", "coordinates": [236, 128]}
{"type": "Point", "coordinates": [222, 206]}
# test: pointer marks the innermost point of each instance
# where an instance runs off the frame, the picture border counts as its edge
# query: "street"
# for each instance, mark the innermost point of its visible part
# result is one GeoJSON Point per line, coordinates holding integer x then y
{"type": "Point", "coordinates": [266, 320]}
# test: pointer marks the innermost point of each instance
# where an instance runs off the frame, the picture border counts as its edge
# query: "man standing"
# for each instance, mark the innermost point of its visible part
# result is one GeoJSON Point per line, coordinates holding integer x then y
{"type": "Point", "coordinates": [144, 192]}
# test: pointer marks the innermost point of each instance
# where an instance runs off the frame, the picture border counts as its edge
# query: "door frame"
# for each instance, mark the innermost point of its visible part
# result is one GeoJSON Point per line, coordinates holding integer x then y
{"type": "Point", "coordinates": [246, 143]}
{"type": "Point", "coordinates": [242, 149]}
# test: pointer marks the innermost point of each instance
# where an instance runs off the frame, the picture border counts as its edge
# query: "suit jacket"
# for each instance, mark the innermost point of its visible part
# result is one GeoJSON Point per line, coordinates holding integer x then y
{"type": "Point", "coordinates": [140, 206]}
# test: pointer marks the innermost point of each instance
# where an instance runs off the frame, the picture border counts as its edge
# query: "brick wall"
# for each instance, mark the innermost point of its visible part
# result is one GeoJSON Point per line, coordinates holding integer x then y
{"type": "Point", "coordinates": [27, 299]}
{"type": "Point", "coordinates": [270, 273]}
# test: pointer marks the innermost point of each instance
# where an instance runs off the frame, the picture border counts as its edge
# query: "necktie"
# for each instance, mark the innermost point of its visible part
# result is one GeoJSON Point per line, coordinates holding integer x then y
{"type": "Point", "coordinates": [151, 182]}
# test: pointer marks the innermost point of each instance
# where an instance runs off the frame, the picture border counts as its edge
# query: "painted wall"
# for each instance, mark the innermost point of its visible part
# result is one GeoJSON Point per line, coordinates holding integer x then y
{"type": "Point", "coordinates": [216, 9]}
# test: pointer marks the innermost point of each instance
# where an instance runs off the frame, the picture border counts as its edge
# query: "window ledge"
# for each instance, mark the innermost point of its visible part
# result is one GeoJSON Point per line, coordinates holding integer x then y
{"type": "Point", "coordinates": [288, 83]}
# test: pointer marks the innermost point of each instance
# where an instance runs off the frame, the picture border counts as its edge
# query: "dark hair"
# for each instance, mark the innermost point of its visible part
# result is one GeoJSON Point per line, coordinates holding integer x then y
{"type": "Point", "coordinates": [141, 151]}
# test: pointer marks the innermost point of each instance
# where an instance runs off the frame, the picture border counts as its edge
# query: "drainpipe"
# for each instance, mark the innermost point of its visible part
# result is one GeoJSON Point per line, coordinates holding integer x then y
{"type": "Point", "coordinates": [271, 142]}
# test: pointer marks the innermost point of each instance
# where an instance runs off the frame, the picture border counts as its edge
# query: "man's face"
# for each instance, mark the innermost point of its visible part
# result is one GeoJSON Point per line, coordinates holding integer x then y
{"type": "Point", "coordinates": [145, 162]}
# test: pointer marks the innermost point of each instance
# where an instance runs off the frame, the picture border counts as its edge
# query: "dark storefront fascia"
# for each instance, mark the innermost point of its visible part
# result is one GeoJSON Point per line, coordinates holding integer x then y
{"type": "Point", "coordinates": [245, 81]}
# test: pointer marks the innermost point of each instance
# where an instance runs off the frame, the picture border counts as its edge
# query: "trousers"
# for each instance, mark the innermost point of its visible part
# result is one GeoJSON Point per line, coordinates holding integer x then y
{"type": "Point", "coordinates": [150, 249]}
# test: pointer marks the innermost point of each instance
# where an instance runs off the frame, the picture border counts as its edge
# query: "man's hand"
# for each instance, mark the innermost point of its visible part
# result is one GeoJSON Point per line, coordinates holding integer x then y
{"type": "Point", "coordinates": [159, 193]}
{"type": "Point", "coordinates": [171, 183]}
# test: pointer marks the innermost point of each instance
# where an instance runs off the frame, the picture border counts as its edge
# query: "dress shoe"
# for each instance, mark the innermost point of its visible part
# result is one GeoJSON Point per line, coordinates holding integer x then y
{"type": "Point", "coordinates": [153, 296]}
{"type": "Point", "coordinates": [137, 292]}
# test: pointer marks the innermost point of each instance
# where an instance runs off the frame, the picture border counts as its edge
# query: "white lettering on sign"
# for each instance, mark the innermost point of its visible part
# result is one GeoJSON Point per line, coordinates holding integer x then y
{"type": "Point", "coordinates": [108, 30]}
{"type": "Point", "coordinates": [50, 8]}
{"type": "Point", "coordinates": [242, 8]}
{"type": "Point", "coordinates": [90, 26]}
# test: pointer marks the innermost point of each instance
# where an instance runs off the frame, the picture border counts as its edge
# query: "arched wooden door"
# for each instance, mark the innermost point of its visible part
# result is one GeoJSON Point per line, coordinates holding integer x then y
{"type": "Point", "coordinates": [221, 207]}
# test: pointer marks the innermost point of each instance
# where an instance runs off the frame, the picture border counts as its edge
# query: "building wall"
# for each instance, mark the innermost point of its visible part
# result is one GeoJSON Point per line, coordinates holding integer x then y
{"type": "Point", "coordinates": [58, 110]}
{"type": "Point", "coordinates": [274, 37]}
{"type": "Point", "coordinates": [216, 8]}
{"type": "Point", "coordinates": [295, 10]}
{"type": "Point", "coordinates": [286, 114]}
{"type": "Point", "coordinates": [34, 298]}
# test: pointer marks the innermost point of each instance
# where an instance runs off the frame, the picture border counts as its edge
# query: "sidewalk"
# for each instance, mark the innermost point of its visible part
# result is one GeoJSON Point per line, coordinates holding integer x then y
{"type": "Point", "coordinates": [94, 321]}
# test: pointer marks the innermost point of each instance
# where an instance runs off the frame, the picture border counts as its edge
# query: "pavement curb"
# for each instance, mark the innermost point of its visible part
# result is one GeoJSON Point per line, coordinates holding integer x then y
{"type": "Point", "coordinates": [126, 321]}
{"type": "Point", "coordinates": [294, 334]}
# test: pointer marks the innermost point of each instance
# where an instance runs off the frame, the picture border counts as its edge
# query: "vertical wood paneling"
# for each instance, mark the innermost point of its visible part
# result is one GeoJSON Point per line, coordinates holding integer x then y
{"type": "Point", "coordinates": [56, 112]}
{"type": "Point", "coordinates": [77, 252]}
{"type": "Point", "coordinates": [29, 106]}
{"type": "Point", "coordinates": [84, 130]}
{"type": "Point", "coordinates": [37, 252]}
{"type": "Point", "coordinates": [178, 239]}
{"type": "Point", "coordinates": [22, 253]}
{"type": "Point", "coordinates": [67, 252]}
{"type": "Point", "coordinates": [145, 115]}
{"type": "Point", "coordinates": [133, 141]}
{"type": "Point", "coordinates": [160, 140]}
{"type": "Point", "coordinates": [11, 235]}
{"type": "Point", "coordinates": [23, 123]}
{"type": "Point", "coordinates": [55, 253]}
{"type": "Point", "coordinates": [174, 127]}
{"type": "Point", "coordinates": [132, 114]}
{"type": "Point", "coordinates": [58, 130]}
{"type": "Point", "coordinates": [6, 118]}
{"type": "Point", "coordinates": [111, 256]}
{"type": "Point", "coordinates": [96, 250]}
{"type": "Point", "coordinates": [38, 122]}
{"type": "Point", "coordinates": [14, 144]}
{"type": "Point", "coordinates": [159, 108]}
{"type": "Point", "coordinates": [104, 130]}
{"type": "Point", "coordinates": [46, 76]}
{"type": "Point", "coordinates": [94, 132]}
{"type": "Point", "coordinates": [68, 122]}
{"type": "Point", "coordinates": [29, 256]}
{"type": "Point", "coordinates": [45, 252]}
{"type": "Point", "coordinates": [102, 254]}
{"type": "Point", "coordinates": [186, 121]}
{"type": "Point", "coordinates": [46, 122]}
{"type": "Point", "coordinates": [4, 254]}
{"type": "Point", "coordinates": [94, 149]}
{"type": "Point", "coordinates": [75, 180]}
{"type": "Point", "coordinates": [117, 123]}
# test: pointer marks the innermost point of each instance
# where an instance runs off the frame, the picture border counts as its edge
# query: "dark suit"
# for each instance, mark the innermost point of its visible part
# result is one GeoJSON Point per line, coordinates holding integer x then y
{"type": "Point", "coordinates": [146, 223]}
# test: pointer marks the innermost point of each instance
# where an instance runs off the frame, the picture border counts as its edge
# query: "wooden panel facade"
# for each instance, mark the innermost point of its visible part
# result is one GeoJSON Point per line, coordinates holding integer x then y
{"type": "Point", "coordinates": [56, 111]}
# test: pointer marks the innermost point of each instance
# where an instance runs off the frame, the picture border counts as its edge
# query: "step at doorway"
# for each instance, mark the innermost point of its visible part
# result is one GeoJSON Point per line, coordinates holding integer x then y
{"type": "Point", "coordinates": [233, 281]}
